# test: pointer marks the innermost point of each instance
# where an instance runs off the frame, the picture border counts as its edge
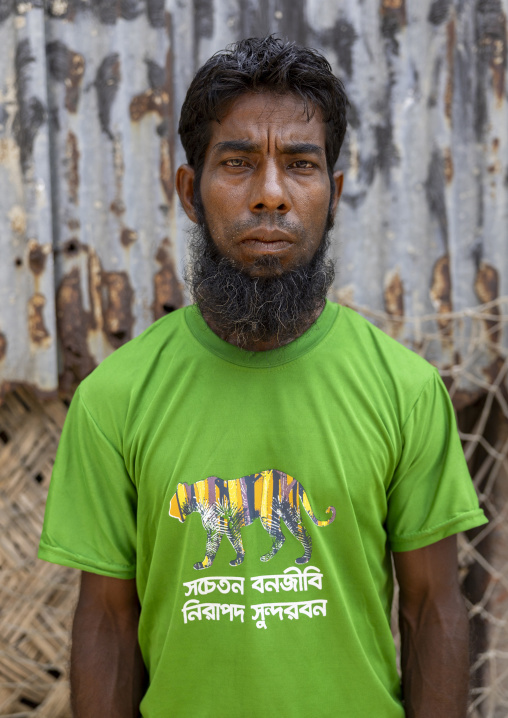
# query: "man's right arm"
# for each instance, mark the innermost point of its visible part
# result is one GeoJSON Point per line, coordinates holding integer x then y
{"type": "Point", "coordinates": [107, 671]}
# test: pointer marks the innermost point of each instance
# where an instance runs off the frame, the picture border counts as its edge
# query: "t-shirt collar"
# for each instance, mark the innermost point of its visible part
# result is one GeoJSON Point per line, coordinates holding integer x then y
{"type": "Point", "coordinates": [262, 359]}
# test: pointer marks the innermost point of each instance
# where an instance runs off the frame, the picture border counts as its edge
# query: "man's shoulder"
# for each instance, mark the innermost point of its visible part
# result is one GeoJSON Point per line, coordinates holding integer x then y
{"type": "Point", "coordinates": [378, 359]}
{"type": "Point", "coordinates": [143, 356]}
{"type": "Point", "coordinates": [372, 342]}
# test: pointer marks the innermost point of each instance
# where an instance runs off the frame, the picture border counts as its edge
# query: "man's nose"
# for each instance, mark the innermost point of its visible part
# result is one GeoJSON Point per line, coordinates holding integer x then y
{"type": "Point", "coordinates": [269, 190]}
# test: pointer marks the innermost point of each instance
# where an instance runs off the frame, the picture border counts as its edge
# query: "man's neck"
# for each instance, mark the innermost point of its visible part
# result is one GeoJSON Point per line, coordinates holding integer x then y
{"type": "Point", "coordinates": [252, 344]}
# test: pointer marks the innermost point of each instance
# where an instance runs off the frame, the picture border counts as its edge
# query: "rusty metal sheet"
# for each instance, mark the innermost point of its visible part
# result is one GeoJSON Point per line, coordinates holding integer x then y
{"type": "Point", "coordinates": [27, 295]}
{"type": "Point", "coordinates": [91, 236]}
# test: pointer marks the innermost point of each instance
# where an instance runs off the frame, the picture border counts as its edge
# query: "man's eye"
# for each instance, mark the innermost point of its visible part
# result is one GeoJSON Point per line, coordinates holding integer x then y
{"type": "Point", "coordinates": [235, 162]}
{"type": "Point", "coordinates": [302, 164]}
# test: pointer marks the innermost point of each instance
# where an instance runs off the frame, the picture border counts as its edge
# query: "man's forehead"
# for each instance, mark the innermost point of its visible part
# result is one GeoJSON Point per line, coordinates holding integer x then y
{"type": "Point", "coordinates": [252, 114]}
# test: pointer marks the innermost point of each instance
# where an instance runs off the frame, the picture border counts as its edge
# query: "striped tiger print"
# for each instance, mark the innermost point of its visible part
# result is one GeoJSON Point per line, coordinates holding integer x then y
{"type": "Point", "coordinates": [226, 506]}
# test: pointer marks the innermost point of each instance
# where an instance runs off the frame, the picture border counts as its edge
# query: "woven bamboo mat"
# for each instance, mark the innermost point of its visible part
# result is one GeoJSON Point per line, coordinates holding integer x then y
{"type": "Point", "coordinates": [36, 598]}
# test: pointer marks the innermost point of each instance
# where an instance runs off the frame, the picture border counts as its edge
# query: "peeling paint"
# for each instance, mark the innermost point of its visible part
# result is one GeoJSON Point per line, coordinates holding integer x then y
{"type": "Point", "coordinates": [68, 67]}
{"type": "Point", "coordinates": [345, 37]}
{"type": "Point", "coordinates": [448, 164]}
{"type": "Point", "coordinates": [450, 56]}
{"type": "Point", "coordinates": [394, 301]}
{"type": "Point", "coordinates": [117, 307]}
{"type": "Point", "coordinates": [166, 170]}
{"type": "Point", "coordinates": [110, 298]}
{"type": "Point", "coordinates": [107, 81]}
{"type": "Point", "coordinates": [62, 9]}
{"type": "Point", "coordinates": [6, 8]}
{"type": "Point", "coordinates": [157, 99]}
{"type": "Point", "coordinates": [153, 100]}
{"type": "Point", "coordinates": [39, 335]}
{"type": "Point", "coordinates": [72, 155]}
{"type": "Point", "coordinates": [117, 206]}
{"type": "Point", "coordinates": [166, 166]}
{"type": "Point", "coordinates": [486, 287]}
{"type": "Point", "coordinates": [353, 115]}
{"type": "Point", "coordinates": [435, 192]}
{"type": "Point", "coordinates": [341, 38]}
{"type": "Point", "coordinates": [288, 19]}
{"type": "Point", "coordinates": [167, 290]}
{"type": "Point", "coordinates": [9, 152]}
{"type": "Point", "coordinates": [31, 113]}
{"type": "Point", "coordinates": [492, 42]}
{"type": "Point", "coordinates": [3, 346]}
{"type": "Point", "coordinates": [355, 200]}
{"type": "Point", "coordinates": [95, 317]}
{"type": "Point", "coordinates": [387, 155]}
{"type": "Point", "coordinates": [398, 6]}
{"type": "Point", "coordinates": [438, 11]}
{"type": "Point", "coordinates": [487, 283]}
{"type": "Point", "coordinates": [441, 293]}
{"type": "Point", "coordinates": [72, 323]}
{"type": "Point", "coordinates": [393, 19]}
{"type": "Point", "coordinates": [436, 72]}
{"type": "Point", "coordinates": [4, 116]}
{"type": "Point", "coordinates": [156, 12]}
{"type": "Point", "coordinates": [156, 74]}
{"type": "Point", "coordinates": [37, 256]}
{"type": "Point", "coordinates": [203, 13]}
{"type": "Point", "coordinates": [107, 12]}
{"type": "Point", "coordinates": [17, 218]}
{"type": "Point", "coordinates": [491, 54]}
{"type": "Point", "coordinates": [128, 236]}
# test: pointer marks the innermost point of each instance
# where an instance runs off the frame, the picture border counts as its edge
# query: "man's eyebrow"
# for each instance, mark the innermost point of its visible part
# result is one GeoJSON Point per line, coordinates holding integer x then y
{"type": "Point", "coordinates": [289, 148]}
{"type": "Point", "coordinates": [301, 148]}
{"type": "Point", "coordinates": [236, 146]}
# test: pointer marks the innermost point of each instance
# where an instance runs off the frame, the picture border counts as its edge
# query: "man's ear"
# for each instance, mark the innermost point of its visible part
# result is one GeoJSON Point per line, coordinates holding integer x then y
{"type": "Point", "coordinates": [185, 187]}
{"type": "Point", "coordinates": [338, 181]}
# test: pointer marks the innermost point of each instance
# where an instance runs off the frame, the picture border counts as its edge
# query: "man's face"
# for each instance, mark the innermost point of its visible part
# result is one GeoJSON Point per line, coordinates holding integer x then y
{"type": "Point", "coordinates": [263, 208]}
{"type": "Point", "coordinates": [265, 189]}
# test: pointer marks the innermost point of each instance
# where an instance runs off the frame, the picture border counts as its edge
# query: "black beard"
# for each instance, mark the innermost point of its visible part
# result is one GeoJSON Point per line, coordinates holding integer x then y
{"type": "Point", "coordinates": [250, 309]}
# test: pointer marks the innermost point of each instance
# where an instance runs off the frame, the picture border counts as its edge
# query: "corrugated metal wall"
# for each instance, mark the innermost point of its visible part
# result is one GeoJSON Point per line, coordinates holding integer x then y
{"type": "Point", "coordinates": [91, 238]}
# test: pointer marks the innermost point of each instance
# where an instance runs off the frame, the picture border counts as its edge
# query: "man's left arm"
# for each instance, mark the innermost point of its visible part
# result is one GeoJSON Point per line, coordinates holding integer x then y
{"type": "Point", "coordinates": [434, 632]}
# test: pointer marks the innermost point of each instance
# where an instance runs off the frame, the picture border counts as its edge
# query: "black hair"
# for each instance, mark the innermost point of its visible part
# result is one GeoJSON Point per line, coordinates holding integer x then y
{"type": "Point", "coordinates": [260, 65]}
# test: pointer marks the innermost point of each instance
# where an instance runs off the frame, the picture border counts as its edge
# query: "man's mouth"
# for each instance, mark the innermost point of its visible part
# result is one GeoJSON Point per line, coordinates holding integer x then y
{"type": "Point", "coordinates": [267, 241]}
{"type": "Point", "coordinates": [267, 246]}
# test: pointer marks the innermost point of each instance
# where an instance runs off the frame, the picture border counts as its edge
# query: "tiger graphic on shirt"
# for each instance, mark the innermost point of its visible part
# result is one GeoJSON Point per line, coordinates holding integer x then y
{"type": "Point", "coordinates": [226, 506]}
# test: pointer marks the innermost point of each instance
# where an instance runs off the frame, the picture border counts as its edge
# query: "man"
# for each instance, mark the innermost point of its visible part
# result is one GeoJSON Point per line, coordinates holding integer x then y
{"type": "Point", "coordinates": [234, 481]}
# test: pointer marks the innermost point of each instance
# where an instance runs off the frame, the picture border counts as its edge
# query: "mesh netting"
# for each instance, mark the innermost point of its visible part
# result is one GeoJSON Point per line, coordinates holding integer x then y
{"type": "Point", "coordinates": [470, 350]}
{"type": "Point", "coordinates": [37, 599]}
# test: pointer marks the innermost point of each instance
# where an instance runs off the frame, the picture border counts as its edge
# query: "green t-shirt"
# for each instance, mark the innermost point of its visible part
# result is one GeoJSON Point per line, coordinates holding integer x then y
{"type": "Point", "coordinates": [256, 496]}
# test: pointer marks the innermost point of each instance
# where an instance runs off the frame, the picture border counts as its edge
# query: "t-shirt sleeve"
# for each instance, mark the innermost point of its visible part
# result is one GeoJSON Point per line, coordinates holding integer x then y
{"type": "Point", "coordinates": [431, 495]}
{"type": "Point", "coordinates": [90, 519]}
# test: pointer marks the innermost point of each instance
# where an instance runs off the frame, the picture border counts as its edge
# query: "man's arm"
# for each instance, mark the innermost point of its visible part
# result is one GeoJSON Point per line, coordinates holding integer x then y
{"type": "Point", "coordinates": [434, 632]}
{"type": "Point", "coordinates": [107, 671]}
